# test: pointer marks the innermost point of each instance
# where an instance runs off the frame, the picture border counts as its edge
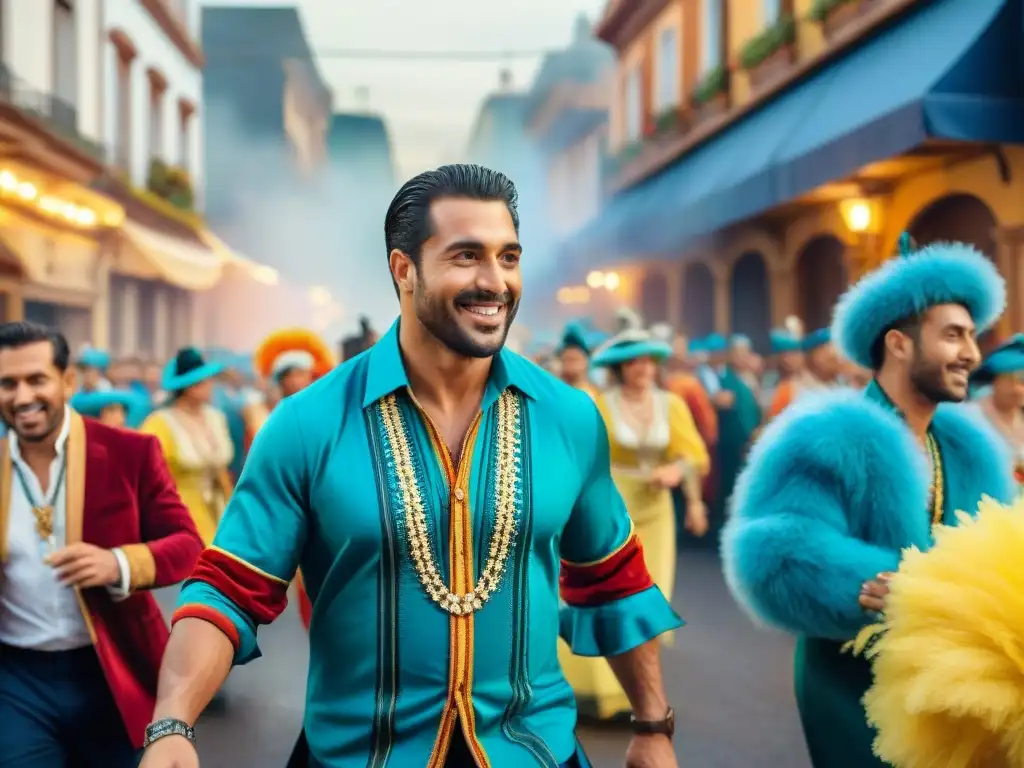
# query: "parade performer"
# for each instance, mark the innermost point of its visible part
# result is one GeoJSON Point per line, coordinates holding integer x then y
{"type": "Point", "coordinates": [92, 370]}
{"type": "Point", "coordinates": [1002, 374]}
{"type": "Point", "coordinates": [89, 520]}
{"type": "Point", "coordinates": [435, 456]}
{"type": "Point", "coordinates": [113, 407]}
{"type": "Point", "coordinates": [820, 371]}
{"type": "Point", "coordinates": [786, 363]}
{"type": "Point", "coordinates": [195, 438]}
{"type": "Point", "coordinates": [293, 359]}
{"type": "Point", "coordinates": [843, 481]}
{"type": "Point", "coordinates": [654, 447]}
{"type": "Point", "coordinates": [739, 417]}
{"type": "Point", "coordinates": [574, 359]}
{"type": "Point", "coordinates": [948, 676]}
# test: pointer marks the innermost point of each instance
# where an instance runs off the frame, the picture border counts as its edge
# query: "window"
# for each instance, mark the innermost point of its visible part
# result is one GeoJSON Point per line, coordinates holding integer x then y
{"type": "Point", "coordinates": [712, 38]}
{"type": "Point", "coordinates": [634, 106]}
{"type": "Point", "coordinates": [772, 10]}
{"type": "Point", "coordinates": [65, 62]}
{"type": "Point", "coordinates": [668, 71]}
{"type": "Point", "coordinates": [157, 89]}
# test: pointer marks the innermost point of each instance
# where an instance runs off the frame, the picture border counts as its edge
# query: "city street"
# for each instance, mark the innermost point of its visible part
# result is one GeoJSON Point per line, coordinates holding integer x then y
{"type": "Point", "coordinates": [729, 682]}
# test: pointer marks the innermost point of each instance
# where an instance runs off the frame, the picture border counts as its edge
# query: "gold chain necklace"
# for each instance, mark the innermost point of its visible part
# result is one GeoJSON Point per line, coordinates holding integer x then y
{"type": "Point", "coordinates": [938, 480]}
{"type": "Point", "coordinates": [507, 477]}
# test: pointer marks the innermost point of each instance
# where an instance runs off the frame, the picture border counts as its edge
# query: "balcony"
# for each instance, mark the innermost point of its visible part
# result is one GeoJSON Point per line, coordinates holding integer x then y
{"type": "Point", "coordinates": [52, 115]}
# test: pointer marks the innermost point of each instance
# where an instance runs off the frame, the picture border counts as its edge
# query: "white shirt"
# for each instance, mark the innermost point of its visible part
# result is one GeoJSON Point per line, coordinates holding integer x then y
{"type": "Point", "coordinates": [36, 610]}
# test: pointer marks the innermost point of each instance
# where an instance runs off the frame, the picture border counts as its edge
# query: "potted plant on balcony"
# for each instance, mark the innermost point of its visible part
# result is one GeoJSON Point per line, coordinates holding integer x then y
{"type": "Point", "coordinates": [670, 121]}
{"type": "Point", "coordinates": [833, 15]}
{"type": "Point", "coordinates": [171, 184]}
{"type": "Point", "coordinates": [711, 96]}
{"type": "Point", "coordinates": [767, 56]}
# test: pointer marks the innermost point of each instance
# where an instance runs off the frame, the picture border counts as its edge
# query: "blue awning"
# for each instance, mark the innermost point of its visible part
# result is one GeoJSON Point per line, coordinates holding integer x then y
{"type": "Point", "coordinates": [948, 71]}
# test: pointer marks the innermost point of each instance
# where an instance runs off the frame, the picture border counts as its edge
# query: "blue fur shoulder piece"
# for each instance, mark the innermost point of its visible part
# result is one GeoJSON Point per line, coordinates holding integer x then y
{"type": "Point", "coordinates": [941, 273]}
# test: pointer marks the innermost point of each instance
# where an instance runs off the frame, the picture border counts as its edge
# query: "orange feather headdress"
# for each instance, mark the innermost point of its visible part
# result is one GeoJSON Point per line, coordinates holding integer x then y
{"type": "Point", "coordinates": [292, 340]}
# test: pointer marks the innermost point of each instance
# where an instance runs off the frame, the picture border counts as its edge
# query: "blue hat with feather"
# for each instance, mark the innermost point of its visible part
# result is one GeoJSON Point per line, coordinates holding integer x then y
{"type": "Point", "coordinates": [188, 368]}
{"type": "Point", "coordinates": [815, 339]}
{"type": "Point", "coordinates": [631, 342]}
{"type": "Point", "coordinates": [941, 273]}
{"type": "Point", "coordinates": [783, 341]}
{"type": "Point", "coordinates": [1007, 358]}
{"type": "Point", "coordinates": [94, 358]}
{"type": "Point", "coordinates": [575, 336]}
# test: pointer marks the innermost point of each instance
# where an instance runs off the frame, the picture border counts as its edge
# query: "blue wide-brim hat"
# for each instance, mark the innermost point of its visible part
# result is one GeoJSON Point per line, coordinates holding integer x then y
{"type": "Point", "coordinates": [941, 273]}
{"type": "Point", "coordinates": [1007, 358]}
{"type": "Point", "coordinates": [783, 341]}
{"type": "Point", "coordinates": [188, 368]}
{"type": "Point", "coordinates": [815, 339]}
{"type": "Point", "coordinates": [715, 343]}
{"type": "Point", "coordinates": [91, 404]}
{"type": "Point", "coordinates": [619, 351]}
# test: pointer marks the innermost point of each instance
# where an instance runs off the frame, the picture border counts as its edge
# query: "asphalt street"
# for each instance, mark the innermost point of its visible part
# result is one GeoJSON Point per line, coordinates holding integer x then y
{"type": "Point", "coordinates": [730, 683]}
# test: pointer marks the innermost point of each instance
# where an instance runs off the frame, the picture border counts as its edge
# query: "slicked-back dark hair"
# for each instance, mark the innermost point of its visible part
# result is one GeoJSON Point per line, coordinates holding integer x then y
{"type": "Point", "coordinates": [24, 332]}
{"type": "Point", "coordinates": [407, 224]}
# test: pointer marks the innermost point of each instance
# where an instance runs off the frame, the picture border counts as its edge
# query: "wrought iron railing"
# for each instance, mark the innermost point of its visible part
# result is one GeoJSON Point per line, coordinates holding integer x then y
{"type": "Point", "coordinates": [57, 115]}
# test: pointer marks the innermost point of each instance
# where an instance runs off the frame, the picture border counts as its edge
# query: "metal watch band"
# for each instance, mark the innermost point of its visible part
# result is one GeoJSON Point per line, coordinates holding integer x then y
{"type": "Point", "coordinates": [168, 726]}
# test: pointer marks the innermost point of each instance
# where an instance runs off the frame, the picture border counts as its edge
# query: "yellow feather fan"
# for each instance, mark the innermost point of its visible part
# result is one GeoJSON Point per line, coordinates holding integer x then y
{"type": "Point", "coordinates": [293, 340]}
{"type": "Point", "coordinates": [949, 657]}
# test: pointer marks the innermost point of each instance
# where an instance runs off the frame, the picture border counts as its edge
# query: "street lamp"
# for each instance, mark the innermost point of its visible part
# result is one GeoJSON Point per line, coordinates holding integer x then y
{"type": "Point", "coordinates": [612, 281]}
{"type": "Point", "coordinates": [859, 215]}
{"type": "Point", "coordinates": [596, 279]}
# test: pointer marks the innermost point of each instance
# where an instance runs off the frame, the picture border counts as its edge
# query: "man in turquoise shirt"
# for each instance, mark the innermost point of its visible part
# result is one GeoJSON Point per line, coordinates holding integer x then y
{"type": "Point", "coordinates": [436, 490]}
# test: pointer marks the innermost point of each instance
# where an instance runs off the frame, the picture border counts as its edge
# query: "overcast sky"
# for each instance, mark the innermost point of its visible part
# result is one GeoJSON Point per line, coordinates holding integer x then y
{"type": "Point", "coordinates": [430, 106]}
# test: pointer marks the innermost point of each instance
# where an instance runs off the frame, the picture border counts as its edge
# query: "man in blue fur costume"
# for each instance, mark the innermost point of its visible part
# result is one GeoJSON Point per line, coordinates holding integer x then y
{"type": "Point", "coordinates": [844, 480]}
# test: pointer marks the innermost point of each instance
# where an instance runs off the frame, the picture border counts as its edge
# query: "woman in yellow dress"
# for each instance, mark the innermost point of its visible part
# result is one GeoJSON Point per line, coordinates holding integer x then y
{"type": "Point", "coordinates": [195, 438]}
{"type": "Point", "coordinates": [654, 447]}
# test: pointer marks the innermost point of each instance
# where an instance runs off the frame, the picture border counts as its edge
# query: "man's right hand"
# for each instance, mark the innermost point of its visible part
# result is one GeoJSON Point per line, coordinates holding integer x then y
{"type": "Point", "coordinates": [170, 752]}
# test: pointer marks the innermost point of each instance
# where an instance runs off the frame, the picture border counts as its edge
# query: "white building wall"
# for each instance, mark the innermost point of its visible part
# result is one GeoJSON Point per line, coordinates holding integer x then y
{"type": "Point", "coordinates": [184, 81]}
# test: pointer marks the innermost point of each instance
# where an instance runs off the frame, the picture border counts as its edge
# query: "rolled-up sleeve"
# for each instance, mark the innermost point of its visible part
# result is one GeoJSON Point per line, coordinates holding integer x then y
{"type": "Point", "coordinates": [241, 580]}
{"type": "Point", "coordinates": [611, 602]}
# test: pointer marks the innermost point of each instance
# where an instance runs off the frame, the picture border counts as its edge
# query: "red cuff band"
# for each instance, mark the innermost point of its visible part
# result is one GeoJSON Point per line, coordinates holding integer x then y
{"type": "Point", "coordinates": [260, 596]}
{"type": "Point", "coordinates": [622, 575]}
{"type": "Point", "coordinates": [212, 615]}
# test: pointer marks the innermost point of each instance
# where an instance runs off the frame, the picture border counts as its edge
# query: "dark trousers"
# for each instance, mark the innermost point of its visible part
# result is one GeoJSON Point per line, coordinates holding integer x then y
{"type": "Point", "coordinates": [56, 711]}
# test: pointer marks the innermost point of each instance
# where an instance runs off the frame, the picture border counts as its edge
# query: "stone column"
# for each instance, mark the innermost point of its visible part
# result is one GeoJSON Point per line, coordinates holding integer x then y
{"type": "Point", "coordinates": [100, 334]}
{"type": "Point", "coordinates": [129, 320]}
{"type": "Point", "coordinates": [675, 278]}
{"type": "Point", "coordinates": [161, 322]}
{"type": "Point", "coordinates": [723, 296]}
{"type": "Point", "coordinates": [782, 290]}
{"type": "Point", "coordinates": [1009, 258]}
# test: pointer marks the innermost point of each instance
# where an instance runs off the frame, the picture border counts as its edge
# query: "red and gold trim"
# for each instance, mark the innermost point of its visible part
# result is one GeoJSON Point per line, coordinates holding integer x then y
{"type": "Point", "coordinates": [619, 575]}
{"type": "Point", "coordinates": [141, 565]}
{"type": "Point", "coordinates": [211, 615]}
{"type": "Point", "coordinates": [262, 596]}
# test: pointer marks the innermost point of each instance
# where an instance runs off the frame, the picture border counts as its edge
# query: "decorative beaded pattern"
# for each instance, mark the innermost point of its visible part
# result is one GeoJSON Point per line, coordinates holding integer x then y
{"type": "Point", "coordinates": [507, 469]}
{"type": "Point", "coordinates": [938, 480]}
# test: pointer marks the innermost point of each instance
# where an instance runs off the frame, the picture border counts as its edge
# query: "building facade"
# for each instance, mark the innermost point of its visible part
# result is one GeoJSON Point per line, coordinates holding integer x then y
{"type": "Point", "coordinates": [767, 153]}
{"type": "Point", "coordinates": [567, 111]}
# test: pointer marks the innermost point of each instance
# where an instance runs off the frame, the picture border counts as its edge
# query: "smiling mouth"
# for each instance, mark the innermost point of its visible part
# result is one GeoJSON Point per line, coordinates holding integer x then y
{"type": "Point", "coordinates": [483, 310]}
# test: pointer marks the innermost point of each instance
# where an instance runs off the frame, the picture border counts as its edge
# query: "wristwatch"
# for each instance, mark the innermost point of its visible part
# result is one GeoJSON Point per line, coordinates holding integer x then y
{"type": "Point", "coordinates": [663, 727]}
{"type": "Point", "coordinates": [168, 726]}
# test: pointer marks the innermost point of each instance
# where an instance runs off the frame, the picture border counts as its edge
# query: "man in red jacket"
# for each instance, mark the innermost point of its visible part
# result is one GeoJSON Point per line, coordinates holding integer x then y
{"type": "Point", "coordinates": [89, 520]}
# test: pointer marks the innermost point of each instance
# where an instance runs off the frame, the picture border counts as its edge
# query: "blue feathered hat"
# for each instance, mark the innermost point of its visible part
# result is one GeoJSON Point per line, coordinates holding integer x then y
{"type": "Point", "coordinates": [631, 342]}
{"type": "Point", "coordinates": [91, 404]}
{"type": "Point", "coordinates": [94, 358]}
{"type": "Point", "coordinates": [575, 335]}
{"type": "Point", "coordinates": [188, 368]}
{"type": "Point", "coordinates": [1006, 358]}
{"type": "Point", "coordinates": [815, 339]}
{"type": "Point", "coordinates": [941, 273]}
{"type": "Point", "coordinates": [783, 341]}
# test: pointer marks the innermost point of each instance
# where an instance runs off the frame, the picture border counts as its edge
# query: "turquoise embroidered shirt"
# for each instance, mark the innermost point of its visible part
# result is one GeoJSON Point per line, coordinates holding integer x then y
{"type": "Point", "coordinates": [391, 673]}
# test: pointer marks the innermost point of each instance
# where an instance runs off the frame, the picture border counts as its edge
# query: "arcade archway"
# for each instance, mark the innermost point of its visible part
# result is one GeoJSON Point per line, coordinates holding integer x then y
{"type": "Point", "coordinates": [750, 299]}
{"type": "Point", "coordinates": [654, 298]}
{"type": "Point", "coordinates": [698, 301]}
{"type": "Point", "coordinates": [821, 278]}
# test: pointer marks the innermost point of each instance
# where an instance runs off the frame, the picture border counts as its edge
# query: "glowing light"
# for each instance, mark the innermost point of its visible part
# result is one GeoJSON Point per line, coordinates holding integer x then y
{"type": "Point", "coordinates": [595, 279]}
{"type": "Point", "coordinates": [50, 204]}
{"type": "Point", "coordinates": [319, 296]}
{"type": "Point", "coordinates": [8, 181]}
{"type": "Point", "coordinates": [85, 217]}
{"type": "Point", "coordinates": [573, 294]}
{"type": "Point", "coordinates": [859, 215]}
{"type": "Point", "coordinates": [27, 191]}
{"type": "Point", "coordinates": [612, 281]}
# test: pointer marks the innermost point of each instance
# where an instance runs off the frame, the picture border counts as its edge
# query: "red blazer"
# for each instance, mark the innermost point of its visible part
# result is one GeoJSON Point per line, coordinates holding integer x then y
{"type": "Point", "coordinates": [120, 494]}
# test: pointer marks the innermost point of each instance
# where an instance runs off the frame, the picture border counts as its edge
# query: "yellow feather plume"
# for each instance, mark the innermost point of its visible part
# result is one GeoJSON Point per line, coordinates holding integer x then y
{"type": "Point", "coordinates": [949, 662]}
{"type": "Point", "coordinates": [293, 340]}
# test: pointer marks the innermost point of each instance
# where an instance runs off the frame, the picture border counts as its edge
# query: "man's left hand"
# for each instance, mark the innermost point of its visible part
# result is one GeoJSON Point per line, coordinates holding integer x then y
{"type": "Point", "coordinates": [85, 565]}
{"type": "Point", "coordinates": [651, 751]}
